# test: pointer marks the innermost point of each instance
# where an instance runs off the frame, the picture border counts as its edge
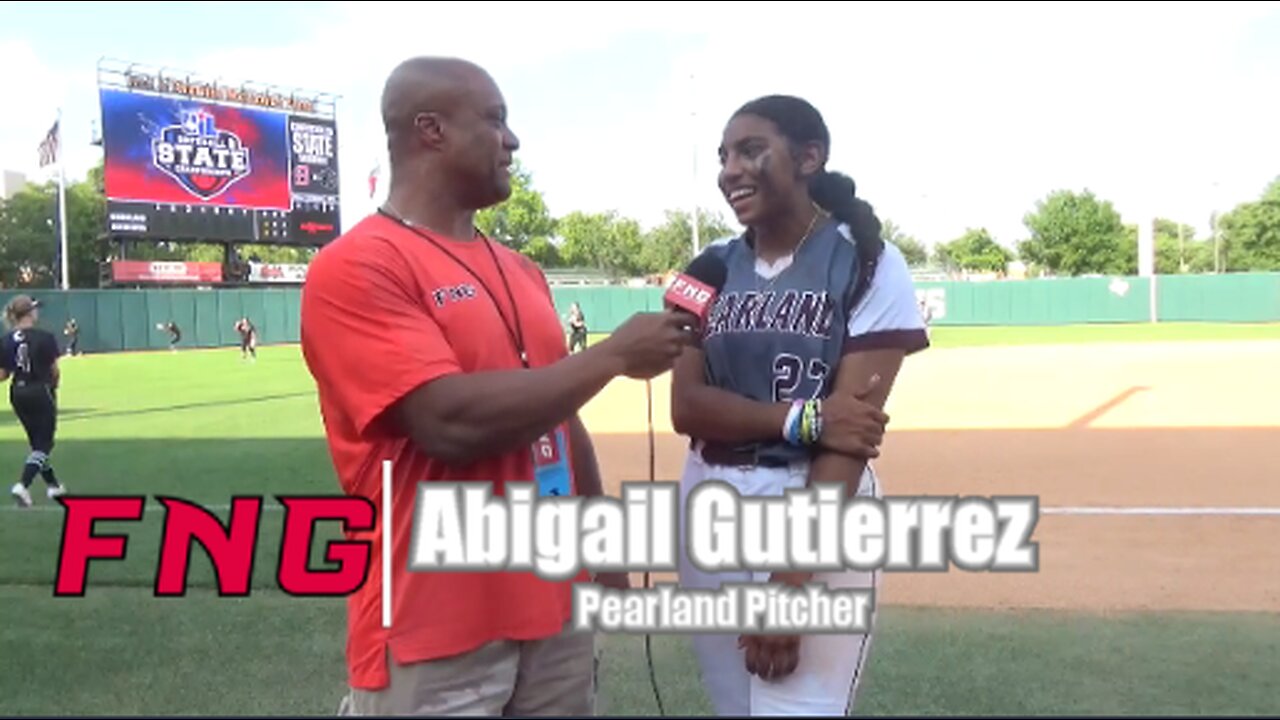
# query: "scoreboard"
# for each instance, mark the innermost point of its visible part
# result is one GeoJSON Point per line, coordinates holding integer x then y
{"type": "Point", "coordinates": [188, 161]}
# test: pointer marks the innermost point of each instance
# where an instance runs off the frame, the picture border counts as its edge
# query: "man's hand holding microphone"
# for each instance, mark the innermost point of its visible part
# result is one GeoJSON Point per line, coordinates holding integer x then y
{"type": "Point", "coordinates": [648, 344]}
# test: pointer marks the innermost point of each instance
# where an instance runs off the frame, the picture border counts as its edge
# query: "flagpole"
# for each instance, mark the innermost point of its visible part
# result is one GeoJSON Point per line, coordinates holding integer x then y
{"type": "Point", "coordinates": [62, 204]}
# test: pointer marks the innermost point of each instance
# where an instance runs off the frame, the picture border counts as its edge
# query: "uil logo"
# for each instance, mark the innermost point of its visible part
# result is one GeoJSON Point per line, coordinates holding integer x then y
{"type": "Point", "coordinates": [202, 158]}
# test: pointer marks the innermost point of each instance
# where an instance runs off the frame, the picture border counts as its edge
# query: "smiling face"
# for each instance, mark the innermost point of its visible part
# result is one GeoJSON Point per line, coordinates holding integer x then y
{"type": "Point", "coordinates": [763, 176]}
{"type": "Point", "coordinates": [482, 151]}
{"type": "Point", "coordinates": [469, 133]}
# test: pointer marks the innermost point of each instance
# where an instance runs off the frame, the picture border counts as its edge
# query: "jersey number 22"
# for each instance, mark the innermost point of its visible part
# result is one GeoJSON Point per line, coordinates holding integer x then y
{"type": "Point", "coordinates": [788, 368]}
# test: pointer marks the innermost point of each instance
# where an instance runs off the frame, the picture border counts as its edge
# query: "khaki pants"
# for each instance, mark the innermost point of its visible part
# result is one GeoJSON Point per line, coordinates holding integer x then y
{"type": "Point", "coordinates": [555, 676]}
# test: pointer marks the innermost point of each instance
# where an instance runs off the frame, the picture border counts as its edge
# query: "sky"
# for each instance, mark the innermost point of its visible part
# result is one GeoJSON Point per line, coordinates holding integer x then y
{"type": "Point", "coordinates": [949, 116]}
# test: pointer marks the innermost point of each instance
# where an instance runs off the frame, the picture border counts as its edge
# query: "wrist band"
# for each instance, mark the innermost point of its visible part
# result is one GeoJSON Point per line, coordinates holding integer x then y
{"type": "Point", "coordinates": [807, 425]}
{"type": "Point", "coordinates": [817, 435]}
{"type": "Point", "coordinates": [804, 423]}
{"type": "Point", "coordinates": [816, 424]}
{"type": "Point", "coordinates": [791, 426]}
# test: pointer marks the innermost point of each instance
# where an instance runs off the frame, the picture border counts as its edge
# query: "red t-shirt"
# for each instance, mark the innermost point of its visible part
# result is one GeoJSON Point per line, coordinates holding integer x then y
{"type": "Point", "coordinates": [383, 312]}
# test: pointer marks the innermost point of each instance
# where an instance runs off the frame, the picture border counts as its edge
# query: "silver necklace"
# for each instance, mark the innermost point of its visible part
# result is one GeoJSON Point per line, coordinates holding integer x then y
{"type": "Point", "coordinates": [768, 284]}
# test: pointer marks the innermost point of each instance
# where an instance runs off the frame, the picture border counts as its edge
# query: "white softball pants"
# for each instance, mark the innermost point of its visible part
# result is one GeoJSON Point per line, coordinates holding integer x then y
{"type": "Point", "coordinates": [831, 666]}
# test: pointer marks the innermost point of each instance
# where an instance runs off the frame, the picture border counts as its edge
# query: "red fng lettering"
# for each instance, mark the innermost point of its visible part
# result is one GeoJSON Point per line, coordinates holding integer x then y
{"type": "Point", "coordinates": [691, 291]}
{"type": "Point", "coordinates": [231, 548]}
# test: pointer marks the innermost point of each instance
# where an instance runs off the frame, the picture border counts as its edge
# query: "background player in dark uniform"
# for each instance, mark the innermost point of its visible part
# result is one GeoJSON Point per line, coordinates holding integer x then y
{"type": "Point", "coordinates": [577, 329]}
{"type": "Point", "coordinates": [797, 358]}
{"type": "Point", "coordinates": [72, 331]}
{"type": "Point", "coordinates": [30, 360]}
{"type": "Point", "coordinates": [175, 333]}
{"type": "Point", "coordinates": [248, 338]}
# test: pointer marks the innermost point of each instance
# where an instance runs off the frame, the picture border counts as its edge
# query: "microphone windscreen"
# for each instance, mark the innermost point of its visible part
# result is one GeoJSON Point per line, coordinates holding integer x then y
{"type": "Point", "coordinates": [710, 270]}
{"type": "Point", "coordinates": [695, 290]}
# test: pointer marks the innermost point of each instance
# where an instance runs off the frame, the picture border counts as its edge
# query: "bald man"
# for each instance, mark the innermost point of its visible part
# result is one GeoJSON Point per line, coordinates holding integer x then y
{"type": "Point", "coordinates": [441, 351]}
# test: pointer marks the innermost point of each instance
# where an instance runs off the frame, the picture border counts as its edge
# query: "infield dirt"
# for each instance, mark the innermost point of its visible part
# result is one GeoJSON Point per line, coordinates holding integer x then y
{"type": "Point", "coordinates": [1142, 433]}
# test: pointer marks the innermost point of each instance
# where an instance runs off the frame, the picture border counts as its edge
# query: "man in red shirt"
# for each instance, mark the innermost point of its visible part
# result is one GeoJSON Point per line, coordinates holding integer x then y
{"type": "Point", "coordinates": [442, 351]}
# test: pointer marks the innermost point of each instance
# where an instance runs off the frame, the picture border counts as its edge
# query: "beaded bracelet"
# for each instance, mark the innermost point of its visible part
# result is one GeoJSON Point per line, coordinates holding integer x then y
{"type": "Point", "coordinates": [811, 425]}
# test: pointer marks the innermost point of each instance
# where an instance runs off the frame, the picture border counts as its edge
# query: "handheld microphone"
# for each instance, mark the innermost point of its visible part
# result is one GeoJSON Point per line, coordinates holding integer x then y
{"type": "Point", "coordinates": [694, 291]}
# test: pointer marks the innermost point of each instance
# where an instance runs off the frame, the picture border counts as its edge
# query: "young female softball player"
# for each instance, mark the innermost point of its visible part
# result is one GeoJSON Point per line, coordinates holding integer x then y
{"type": "Point", "coordinates": [787, 387]}
{"type": "Point", "coordinates": [248, 338]}
{"type": "Point", "coordinates": [29, 360]}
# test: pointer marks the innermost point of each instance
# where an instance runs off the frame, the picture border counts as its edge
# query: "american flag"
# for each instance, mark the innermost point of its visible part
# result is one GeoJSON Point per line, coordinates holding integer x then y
{"type": "Point", "coordinates": [49, 146]}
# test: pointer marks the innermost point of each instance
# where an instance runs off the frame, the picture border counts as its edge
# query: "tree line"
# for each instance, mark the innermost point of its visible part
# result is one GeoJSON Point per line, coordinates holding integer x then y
{"type": "Point", "coordinates": [29, 238]}
{"type": "Point", "coordinates": [1073, 233]}
{"type": "Point", "coordinates": [607, 242]}
{"type": "Point", "coordinates": [1068, 233]}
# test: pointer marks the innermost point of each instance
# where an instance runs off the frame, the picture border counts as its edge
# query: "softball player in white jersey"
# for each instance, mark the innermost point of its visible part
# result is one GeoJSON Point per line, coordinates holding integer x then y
{"type": "Point", "coordinates": [797, 358]}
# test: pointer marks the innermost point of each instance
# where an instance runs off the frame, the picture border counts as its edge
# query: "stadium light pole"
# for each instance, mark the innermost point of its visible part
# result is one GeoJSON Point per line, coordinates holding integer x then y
{"type": "Point", "coordinates": [1215, 188]}
{"type": "Point", "coordinates": [693, 123]}
{"type": "Point", "coordinates": [1147, 261]}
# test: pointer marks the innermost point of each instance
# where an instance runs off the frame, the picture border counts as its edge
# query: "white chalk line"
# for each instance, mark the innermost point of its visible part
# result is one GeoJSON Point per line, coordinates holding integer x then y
{"type": "Point", "coordinates": [1103, 511]}
{"type": "Point", "coordinates": [1159, 511]}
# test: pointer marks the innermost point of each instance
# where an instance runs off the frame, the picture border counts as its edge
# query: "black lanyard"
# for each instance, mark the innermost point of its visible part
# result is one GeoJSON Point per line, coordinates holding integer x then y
{"type": "Point", "coordinates": [517, 334]}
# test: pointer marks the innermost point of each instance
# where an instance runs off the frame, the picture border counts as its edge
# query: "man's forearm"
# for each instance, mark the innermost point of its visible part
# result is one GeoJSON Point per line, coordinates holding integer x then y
{"type": "Point", "coordinates": [461, 418]}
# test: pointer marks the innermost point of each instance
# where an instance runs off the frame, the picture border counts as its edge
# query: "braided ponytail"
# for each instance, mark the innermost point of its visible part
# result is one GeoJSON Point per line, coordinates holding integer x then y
{"type": "Point", "coordinates": [837, 194]}
{"type": "Point", "coordinates": [801, 123]}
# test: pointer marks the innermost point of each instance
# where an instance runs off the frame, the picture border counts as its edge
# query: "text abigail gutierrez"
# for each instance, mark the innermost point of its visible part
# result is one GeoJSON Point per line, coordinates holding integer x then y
{"type": "Point", "coordinates": [463, 526]}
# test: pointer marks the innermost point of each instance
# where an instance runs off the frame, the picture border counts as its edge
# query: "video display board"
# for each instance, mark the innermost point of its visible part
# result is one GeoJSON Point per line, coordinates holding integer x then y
{"type": "Point", "coordinates": [204, 163]}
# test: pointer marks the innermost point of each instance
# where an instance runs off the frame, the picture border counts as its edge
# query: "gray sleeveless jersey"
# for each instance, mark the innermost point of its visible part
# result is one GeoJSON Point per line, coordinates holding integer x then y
{"type": "Point", "coordinates": [780, 338]}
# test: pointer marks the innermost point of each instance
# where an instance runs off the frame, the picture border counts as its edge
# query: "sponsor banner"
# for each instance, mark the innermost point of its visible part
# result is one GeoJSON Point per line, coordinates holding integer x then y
{"type": "Point", "coordinates": [160, 271]}
{"type": "Point", "coordinates": [277, 273]}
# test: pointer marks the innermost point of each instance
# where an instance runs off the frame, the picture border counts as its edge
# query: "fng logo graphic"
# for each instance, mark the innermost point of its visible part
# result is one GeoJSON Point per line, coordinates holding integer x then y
{"type": "Point", "coordinates": [203, 159]}
{"type": "Point", "coordinates": [453, 294]}
{"type": "Point", "coordinates": [686, 289]}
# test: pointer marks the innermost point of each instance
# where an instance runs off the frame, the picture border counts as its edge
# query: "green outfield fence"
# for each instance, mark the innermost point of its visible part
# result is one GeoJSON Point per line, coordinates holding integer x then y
{"type": "Point", "coordinates": [1063, 301]}
{"type": "Point", "coordinates": [1253, 297]}
{"type": "Point", "coordinates": [112, 320]}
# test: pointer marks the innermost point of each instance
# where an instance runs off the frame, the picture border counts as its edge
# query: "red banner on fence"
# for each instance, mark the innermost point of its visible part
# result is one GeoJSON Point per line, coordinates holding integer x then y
{"type": "Point", "coordinates": [159, 271]}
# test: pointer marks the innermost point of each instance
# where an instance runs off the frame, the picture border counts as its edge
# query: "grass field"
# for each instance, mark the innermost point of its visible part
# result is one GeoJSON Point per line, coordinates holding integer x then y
{"type": "Point", "coordinates": [944, 336]}
{"type": "Point", "coordinates": [205, 426]}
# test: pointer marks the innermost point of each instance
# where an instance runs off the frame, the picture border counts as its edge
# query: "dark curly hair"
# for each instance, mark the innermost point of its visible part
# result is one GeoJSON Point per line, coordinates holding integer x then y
{"type": "Point", "coordinates": [801, 123]}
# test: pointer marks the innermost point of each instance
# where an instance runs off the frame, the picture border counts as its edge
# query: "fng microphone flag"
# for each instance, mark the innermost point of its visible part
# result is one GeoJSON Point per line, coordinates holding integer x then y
{"type": "Point", "coordinates": [694, 291]}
